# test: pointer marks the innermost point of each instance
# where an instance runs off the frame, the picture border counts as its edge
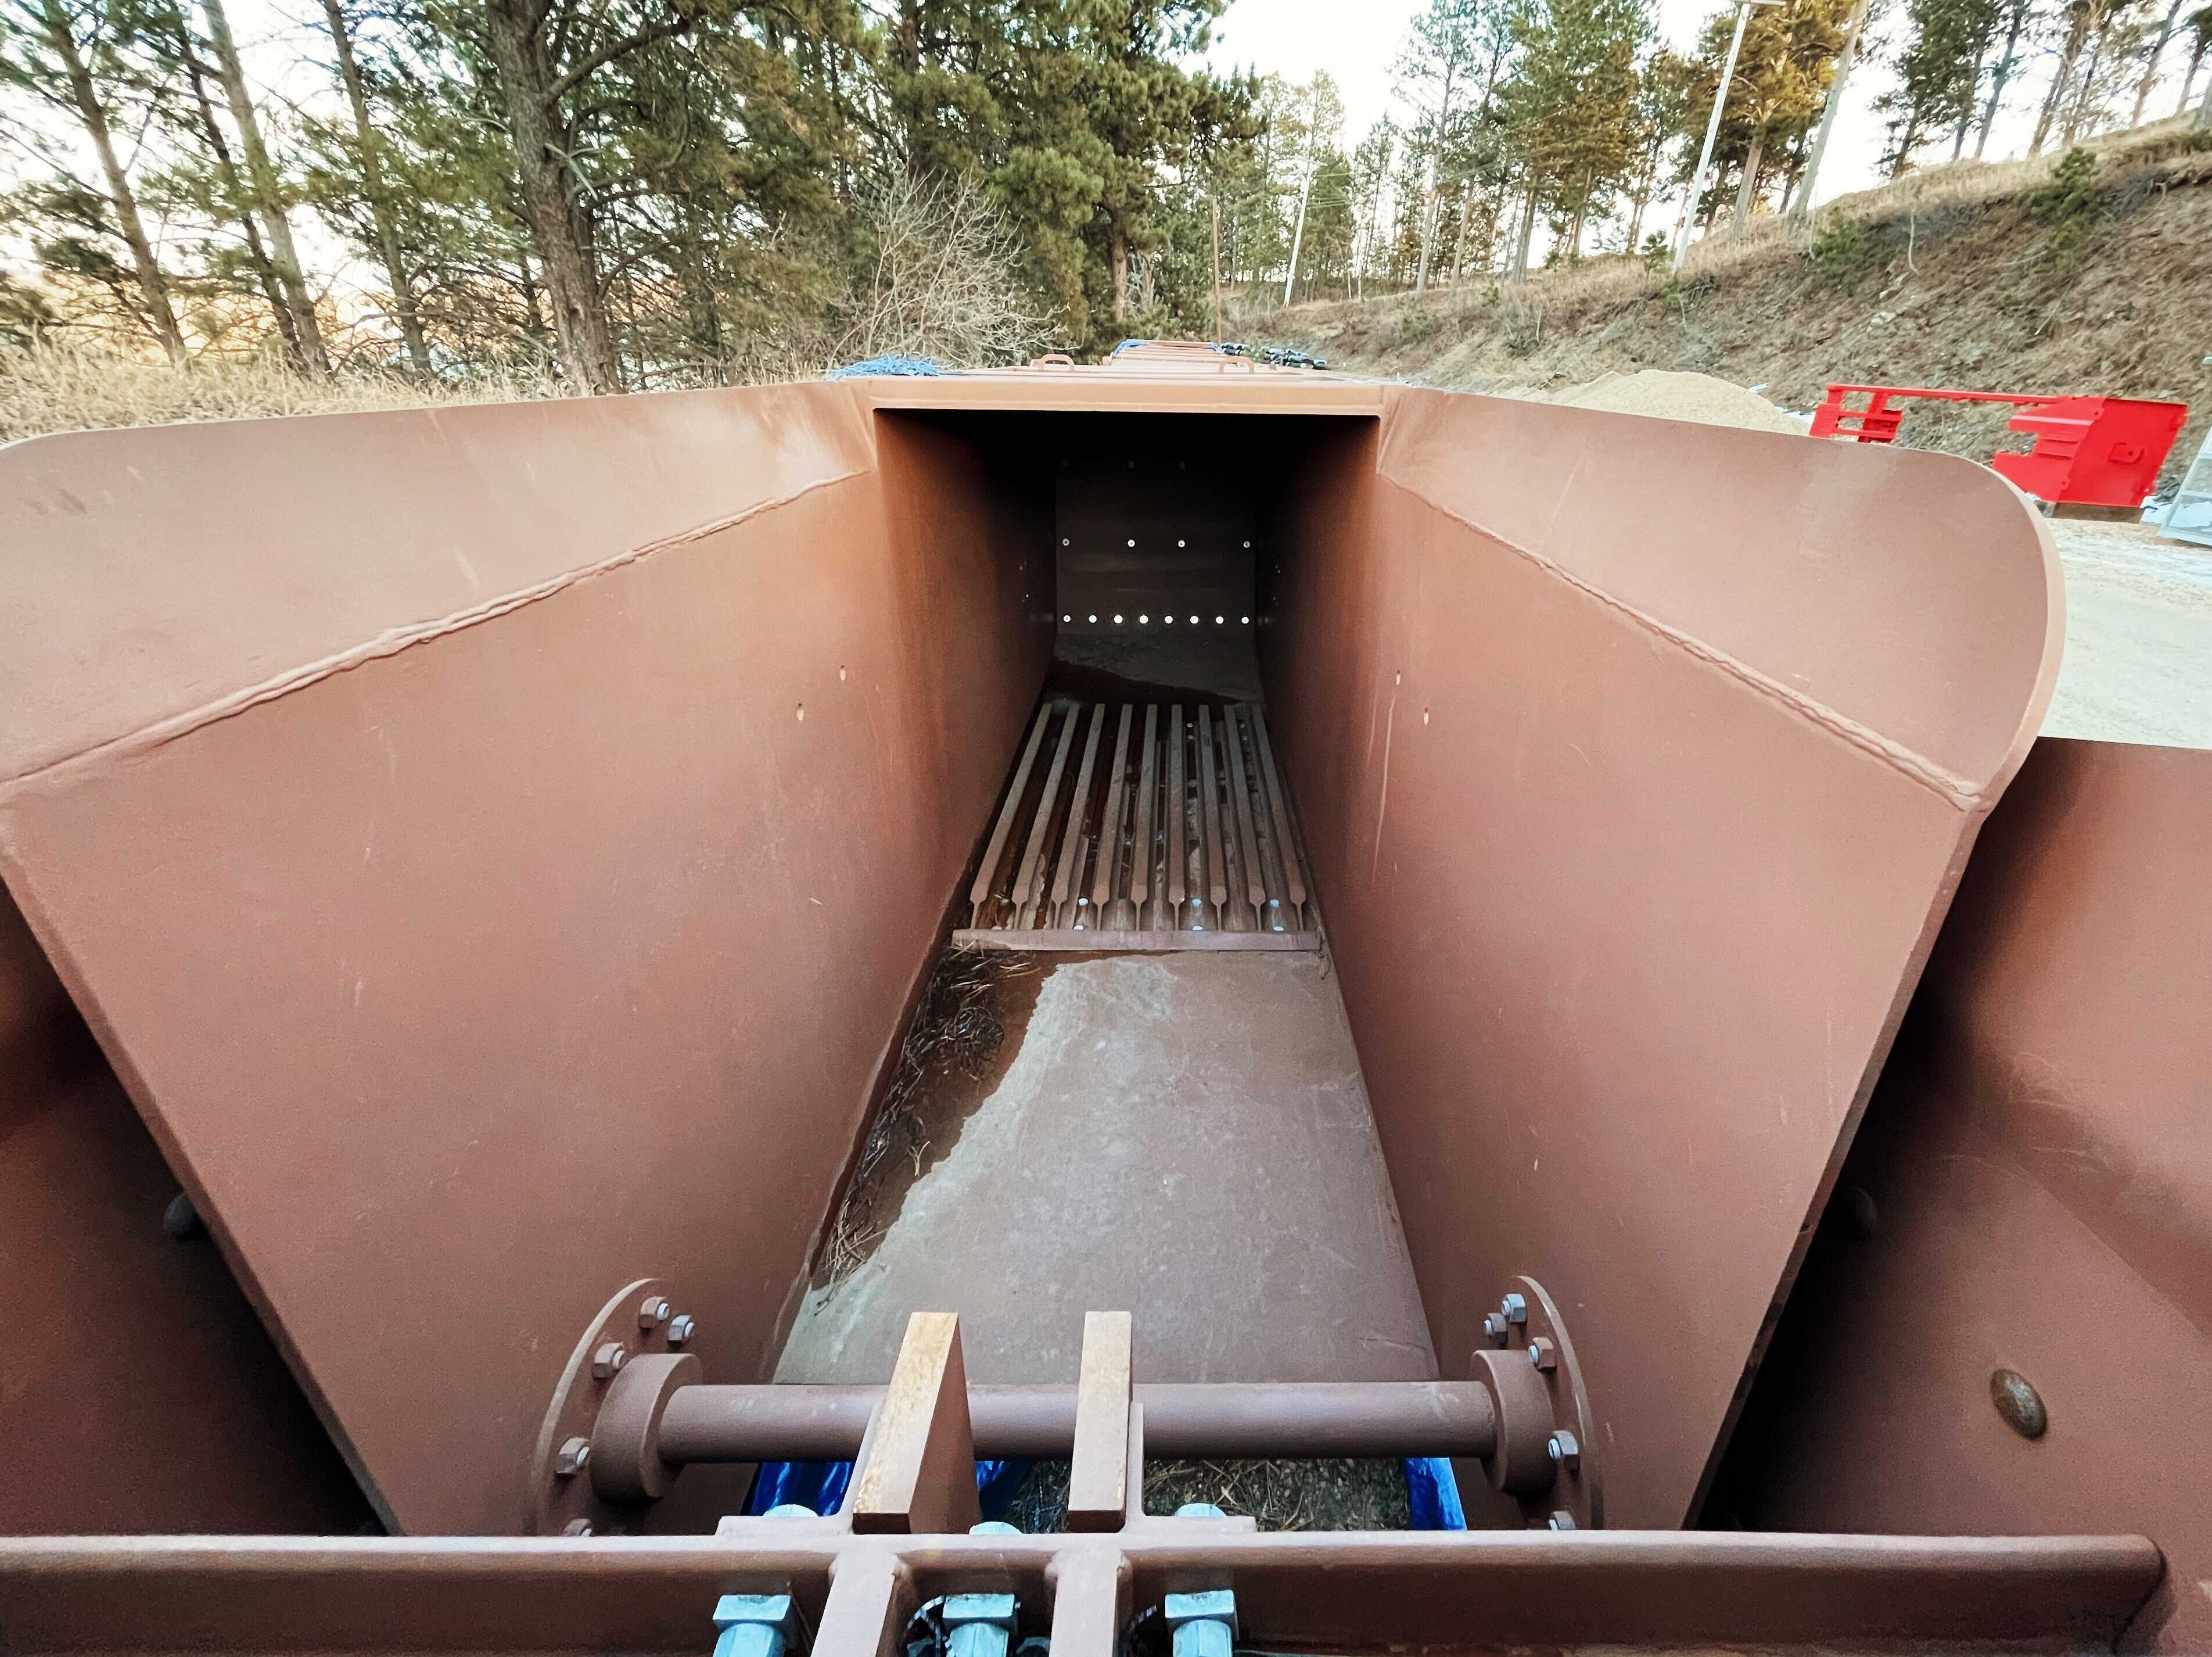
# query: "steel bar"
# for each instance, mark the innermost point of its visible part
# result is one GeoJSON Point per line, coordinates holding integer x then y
{"type": "Point", "coordinates": [1375, 1590]}
{"type": "Point", "coordinates": [1225, 1420]}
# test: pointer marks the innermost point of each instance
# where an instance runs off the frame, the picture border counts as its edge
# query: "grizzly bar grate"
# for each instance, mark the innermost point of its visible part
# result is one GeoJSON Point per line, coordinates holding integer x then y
{"type": "Point", "coordinates": [1144, 827]}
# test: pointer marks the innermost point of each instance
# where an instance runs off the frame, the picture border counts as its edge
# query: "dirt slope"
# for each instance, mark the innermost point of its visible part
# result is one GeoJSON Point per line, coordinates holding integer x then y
{"type": "Point", "coordinates": [1952, 278]}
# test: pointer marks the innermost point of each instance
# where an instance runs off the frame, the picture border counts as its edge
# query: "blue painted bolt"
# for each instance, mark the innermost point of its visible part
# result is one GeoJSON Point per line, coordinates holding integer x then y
{"type": "Point", "coordinates": [978, 1624]}
{"type": "Point", "coordinates": [994, 1527]}
{"type": "Point", "coordinates": [792, 1510]}
{"type": "Point", "coordinates": [1200, 1510]}
{"type": "Point", "coordinates": [1203, 1624]}
{"type": "Point", "coordinates": [753, 1624]}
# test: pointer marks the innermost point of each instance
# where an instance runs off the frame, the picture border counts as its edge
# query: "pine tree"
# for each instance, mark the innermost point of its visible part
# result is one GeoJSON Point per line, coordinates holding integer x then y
{"type": "Point", "coordinates": [66, 57]}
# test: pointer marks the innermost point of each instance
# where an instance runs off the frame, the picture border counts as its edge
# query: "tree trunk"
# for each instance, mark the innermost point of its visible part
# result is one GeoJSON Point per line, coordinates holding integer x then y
{"type": "Point", "coordinates": [1749, 187]}
{"type": "Point", "coordinates": [262, 175]}
{"type": "Point", "coordinates": [2078, 111]}
{"type": "Point", "coordinates": [1847, 55]}
{"type": "Point", "coordinates": [153, 286]}
{"type": "Point", "coordinates": [2204, 110]}
{"type": "Point", "coordinates": [1428, 228]}
{"type": "Point", "coordinates": [2189, 81]}
{"type": "Point", "coordinates": [1459, 238]}
{"type": "Point", "coordinates": [526, 79]}
{"type": "Point", "coordinates": [372, 182]}
{"type": "Point", "coordinates": [1528, 234]}
{"type": "Point", "coordinates": [1117, 253]}
{"type": "Point", "coordinates": [2150, 64]}
{"type": "Point", "coordinates": [2002, 73]}
{"type": "Point", "coordinates": [2061, 80]}
{"type": "Point", "coordinates": [264, 273]}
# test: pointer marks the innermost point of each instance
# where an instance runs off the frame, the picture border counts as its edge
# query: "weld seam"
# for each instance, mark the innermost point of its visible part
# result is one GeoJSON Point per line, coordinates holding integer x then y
{"type": "Point", "coordinates": [390, 643]}
{"type": "Point", "coordinates": [1945, 784]}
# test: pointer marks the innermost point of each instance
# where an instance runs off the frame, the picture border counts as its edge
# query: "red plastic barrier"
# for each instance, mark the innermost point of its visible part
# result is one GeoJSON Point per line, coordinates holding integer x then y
{"type": "Point", "coordinates": [2089, 451]}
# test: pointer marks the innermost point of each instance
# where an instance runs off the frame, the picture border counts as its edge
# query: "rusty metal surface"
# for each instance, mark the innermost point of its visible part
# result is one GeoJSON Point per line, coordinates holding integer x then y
{"type": "Point", "coordinates": [1457, 1592]}
{"type": "Point", "coordinates": [1148, 827]}
{"type": "Point", "coordinates": [478, 882]}
{"type": "Point", "coordinates": [1637, 762]}
{"type": "Point", "coordinates": [137, 1390]}
{"type": "Point", "coordinates": [2034, 1187]}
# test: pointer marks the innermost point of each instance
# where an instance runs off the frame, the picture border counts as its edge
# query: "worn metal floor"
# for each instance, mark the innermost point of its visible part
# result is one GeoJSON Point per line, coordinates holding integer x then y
{"type": "Point", "coordinates": [1185, 1137]}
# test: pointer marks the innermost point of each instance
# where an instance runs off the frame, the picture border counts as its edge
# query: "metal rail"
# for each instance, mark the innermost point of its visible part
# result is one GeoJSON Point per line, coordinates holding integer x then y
{"type": "Point", "coordinates": [1244, 1421]}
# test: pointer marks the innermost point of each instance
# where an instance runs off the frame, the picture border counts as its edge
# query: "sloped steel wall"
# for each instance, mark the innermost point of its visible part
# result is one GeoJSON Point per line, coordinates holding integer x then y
{"type": "Point", "coordinates": [137, 1390]}
{"type": "Point", "coordinates": [1639, 762]}
{"type": "Point", "coordinates": [2033, 1191]}
{"type": "Point", "coordinates": [495, 847]}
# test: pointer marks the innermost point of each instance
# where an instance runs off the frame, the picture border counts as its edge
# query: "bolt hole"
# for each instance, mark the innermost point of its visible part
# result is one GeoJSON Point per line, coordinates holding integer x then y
{"type": "Point", "coordinates": [802, 713]}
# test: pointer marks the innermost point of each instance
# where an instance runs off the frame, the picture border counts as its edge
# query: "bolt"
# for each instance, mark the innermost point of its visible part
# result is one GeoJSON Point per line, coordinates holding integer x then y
{"type": "Point", "coordinates": [1561, 1519]}
{"type": "Point", "coordinates": [608, 1361]}
{"type": "Point", "coordinates": [753, 1624]}
{"type": "Point", "coordinates": [577, 1528]}
{"type": "Point", "coordinates": [1516, 1309]}
{"type": "Point", "coordinates": [791, 1510]}
{"type": "Point", "coordinates": [1494, 1327]}
{"type": "Point", "coordinates": [1543, 1355]}
{"type": "Point", "coordinates": [978, 1624]}
{"type": "Point", "coordinates": [994, 1527]}
{"type": "Point", "coordinates": [681, 1328]}
{"type": "Point", "coordinates": [1203, 1624]}
{"type": "Point", "coordinates": [1565, 1449]}
{"type": "Point", "coordinates": [1200, 1510]}
{"type": "Point", "coordinates": [653, 1313]}
{"type": "Point", "coordinates": [574, 1455]}
{"type": "Point", "coordinates": [2019, 1404]}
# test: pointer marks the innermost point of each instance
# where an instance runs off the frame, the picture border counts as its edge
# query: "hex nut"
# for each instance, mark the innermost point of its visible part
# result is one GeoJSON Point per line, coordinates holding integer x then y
{"type": "Point", "coordinates": [1494, 1328]}
{"type": "Point", "coordinates": [574, 1456]}
{"type": "Point", "coordinates": [1561, 1519]}
{"type": "Point", "coordinates": [1565, 1449]}
{"type": "Point", "coordinates": [653, 1313]}
{"type": "Point", "coordinates": [1543, 1355]}
{"type": "Point", "coordinates": [681, 1328]}
{"type": "Point", "coordinates": [577, 1528]}
{"type": "Point", "coordinates": [608, 1361]}
{"type": "Point", "coordinates": [1516, 1309]}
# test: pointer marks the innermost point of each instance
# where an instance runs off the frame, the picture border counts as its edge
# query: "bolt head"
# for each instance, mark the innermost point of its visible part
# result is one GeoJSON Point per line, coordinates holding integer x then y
{"type": "Point", "coordinates": [574, 1456]}
{"type": "Point", "coordinates": [577, 1528]}
{"type": "Point", "coordinates": [681, 1328]}
{"type": "Point", "coordinates": [1496, 1328]}
{"type": "Point", "coordinates": [1561, 1519]}
{"type": "Point", "coordinates": [653, 1313]}
{"type": "Point", "coordinates": [1516, 1309]}
{"type": "Point", "coordinates": [1565, 1449]}
{"type": "Point", "coordinates": [607, 1361]}
{"type": "Point", "coordinates": [1543, 1355]}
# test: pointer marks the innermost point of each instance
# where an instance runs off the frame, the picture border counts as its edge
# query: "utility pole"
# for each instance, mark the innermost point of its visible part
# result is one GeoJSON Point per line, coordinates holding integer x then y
{"type": "Point", "coordinates": [1297, 236]}
{"type": "Point", "coordinates": [1713, 127]}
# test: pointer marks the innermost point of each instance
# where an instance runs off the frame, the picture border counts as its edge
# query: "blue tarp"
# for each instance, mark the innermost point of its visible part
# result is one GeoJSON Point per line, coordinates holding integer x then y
{"type": "Point", "coordinates": [821, 1485]}
{"type": "Point", "coordinates": [919, 367]}
{"type": "Point", "coordinates": [1431, 1490]}
{"type": "Point", "coordinates": [1432, 1493]}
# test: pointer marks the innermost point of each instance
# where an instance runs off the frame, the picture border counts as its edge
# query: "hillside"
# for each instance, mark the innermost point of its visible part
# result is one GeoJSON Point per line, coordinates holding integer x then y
{"type": "Point", "coordinates": [1972, 275]}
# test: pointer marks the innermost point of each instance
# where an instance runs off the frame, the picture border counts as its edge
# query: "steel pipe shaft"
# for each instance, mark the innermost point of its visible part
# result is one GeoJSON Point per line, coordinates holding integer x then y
{"type": "Point", "coordinates": [1225, 1420]}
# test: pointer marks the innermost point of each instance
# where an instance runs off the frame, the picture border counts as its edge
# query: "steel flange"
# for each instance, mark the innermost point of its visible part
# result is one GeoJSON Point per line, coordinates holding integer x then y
{"type": "Point", "coordinates": [638, 1335]}
{"type": "Point", "coordinates": [1546, 1454]}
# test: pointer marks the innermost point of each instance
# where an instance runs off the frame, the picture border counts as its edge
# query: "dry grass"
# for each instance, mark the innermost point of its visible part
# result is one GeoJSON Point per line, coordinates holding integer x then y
{"type": "Point", "coordinates": [58, 386]}
{"type": "Point", "coordinates": [1946, 277]}
{"type": "Point", "coordinates": [1282, 1495]}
